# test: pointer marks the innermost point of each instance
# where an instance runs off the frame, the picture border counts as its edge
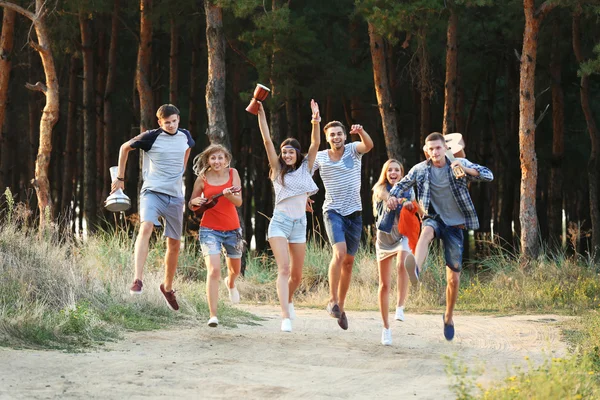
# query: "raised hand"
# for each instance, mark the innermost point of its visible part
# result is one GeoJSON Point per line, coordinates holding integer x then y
{"type": "Point", "coordinates": [356, 129]}
{"type": "Point", "coordinates": [314, 106]}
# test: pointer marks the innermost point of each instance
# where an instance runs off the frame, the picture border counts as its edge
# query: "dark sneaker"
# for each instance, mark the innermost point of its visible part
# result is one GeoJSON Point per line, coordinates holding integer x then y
{"type": "Point", "coordinates": [410, 263]}
{"type": "Point", "coordinates": [343, 321]}
{"type": "Point", "coordinates": [169, 298]}
{"type": "Point", "coordinates": [136, 288]}
{"type": "Point", "coordinates": [333, 310]}
{"type": "Point", "coordinates": [448, 329]}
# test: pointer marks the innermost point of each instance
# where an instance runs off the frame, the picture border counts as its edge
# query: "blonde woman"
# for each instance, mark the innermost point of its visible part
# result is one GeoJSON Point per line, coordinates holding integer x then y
{"type": "Point", "coordinates": [220, 225]}
{"type": "Point", "coordinates": [390, 245]}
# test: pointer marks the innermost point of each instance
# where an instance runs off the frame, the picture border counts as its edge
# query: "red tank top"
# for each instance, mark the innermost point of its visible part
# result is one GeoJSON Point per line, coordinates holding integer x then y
{"type": "Point", "coordinates": [223, 216]}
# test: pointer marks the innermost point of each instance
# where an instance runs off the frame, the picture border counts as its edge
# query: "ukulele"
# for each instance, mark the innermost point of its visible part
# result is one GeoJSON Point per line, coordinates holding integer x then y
{"type": "Point", "coordinates": [212, 201]}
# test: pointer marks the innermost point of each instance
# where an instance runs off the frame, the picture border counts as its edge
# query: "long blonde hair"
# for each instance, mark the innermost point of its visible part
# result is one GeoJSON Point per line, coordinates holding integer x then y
{"type": "Point", "coordinates": [201, 165]}
{"type": "Point", "coordinates": [380, 186]}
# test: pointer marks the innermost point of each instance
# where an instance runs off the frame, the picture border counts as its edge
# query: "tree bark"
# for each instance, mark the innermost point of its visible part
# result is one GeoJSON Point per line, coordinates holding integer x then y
{"type": "Point", "coordinates": [530, 243]}
{"type": "Point", "coordinates": [70, 143]}
{"type": "Point", "coordinates": [50, 112]}
{"type": "Point", "coordinates": [215, 85]}
{"type": "Point", "coordinates": [143, 67]}
{"type": "Point", "coordinates": [102, 175]}
{"type": "Point", "coordinates": [555, 196]}
{"type": "Point", "coordinates": [424, 87]}
{"type": "Point", "coordinates": [584, 94]}
{"type": "Point", "coordinates": [89, 153]}
{"type": "Point", "coordinates": [6, 47]}
{"type": "Point", "coordinates": [384, 97]}
{"type": "Point", "coordinates": [110, 157]}
{"type": "Point", "coordinates": [174, 62]}
{"type": "Point", "coordinates": [451, 72]}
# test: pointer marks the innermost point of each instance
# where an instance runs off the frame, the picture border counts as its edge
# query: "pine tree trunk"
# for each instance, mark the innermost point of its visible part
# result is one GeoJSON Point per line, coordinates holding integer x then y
{"type": "Point", "coordinates": [530, 243]}
{"type": "Point", "coordinates": [424, 87]}
{"type": "Point", "coordinates": [110, 153]}
{"type": "Point", "coordinates": [384, 96]}
{"type": "Point", "coordinates": [555, 195]}
{"type": "Point", "coordinates": [6, 46]}
{"type": "Point", "coordinates": [584, 94]}
{"type": "Point", "coordinates": [451, 72]}
{"type": "Point", "coordinates": [144, 65]}
{"type": "Point", "coordinates": [102, 175]}
{"type": "Point", "coordinates": [70, 166]}
{"type": "Point", "coordinates": [89, 133]}
{"type": "Point", "coordinates": [173, 62]}
{"type": "Point", "coordinates": [215, 85]}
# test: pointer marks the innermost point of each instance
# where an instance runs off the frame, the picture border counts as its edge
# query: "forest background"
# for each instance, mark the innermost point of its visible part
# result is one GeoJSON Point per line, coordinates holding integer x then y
{"type": "Point", "coordinates": [514, 77]}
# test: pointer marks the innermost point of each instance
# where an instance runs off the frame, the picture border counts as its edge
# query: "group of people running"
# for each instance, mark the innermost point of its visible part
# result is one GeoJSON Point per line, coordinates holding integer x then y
{"type": "Point", "coordinates": [442, 201]}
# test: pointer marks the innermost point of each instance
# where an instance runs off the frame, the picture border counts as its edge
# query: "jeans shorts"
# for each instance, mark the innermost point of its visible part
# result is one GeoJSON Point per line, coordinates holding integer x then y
{"type": "Point", "coordinates": [346, 229]}
{"type": "Point", "coordinates": [212, 241]}
{"type": "Point", "coordinates": [452, 237]}
{"type": "Point", "coordinates": [293, 229]}
{"type": "Point", "coordinates": [154, 205]}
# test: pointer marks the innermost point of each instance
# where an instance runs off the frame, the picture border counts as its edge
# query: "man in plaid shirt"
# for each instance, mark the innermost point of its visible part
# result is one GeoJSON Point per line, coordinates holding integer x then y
{"type": "Point", "coordinates": [448, 209]}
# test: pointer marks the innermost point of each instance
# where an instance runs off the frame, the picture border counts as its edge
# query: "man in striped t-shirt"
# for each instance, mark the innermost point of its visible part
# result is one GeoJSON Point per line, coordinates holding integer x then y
{"type": "Point", "coordinates": [339, 168]}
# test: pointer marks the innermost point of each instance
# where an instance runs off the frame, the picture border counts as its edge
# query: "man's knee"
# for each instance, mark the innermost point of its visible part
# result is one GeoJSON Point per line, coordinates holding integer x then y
{"type": "Point", "coordinates": [427, 235]}
{"type": "Point", "coordinates": [453, 278]}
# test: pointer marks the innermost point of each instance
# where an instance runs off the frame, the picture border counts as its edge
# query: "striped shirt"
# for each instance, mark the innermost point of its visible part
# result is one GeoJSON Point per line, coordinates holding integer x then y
{"type": "Point", "coordinates": [341, 180]}
{"type": "Point", "coordinates": [420, 176]}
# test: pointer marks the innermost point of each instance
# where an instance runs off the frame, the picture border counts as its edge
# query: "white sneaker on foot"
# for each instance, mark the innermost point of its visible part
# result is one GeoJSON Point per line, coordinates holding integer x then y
{"type": "Point", "coordinates": [213, 322]}
{"type": "Point", "coordinates": [292, 311]}
{"type": "Point", "coordinates": [399, 313]}
{"type": "Point", "coordinates": [286, 325]}
{"type": "Point", "coordinates": [234, 295]}
{"type": "Point", "coordinates": [386, 337]}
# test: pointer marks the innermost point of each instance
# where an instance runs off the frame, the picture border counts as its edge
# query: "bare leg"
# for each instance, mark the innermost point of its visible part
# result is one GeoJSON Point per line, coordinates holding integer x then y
{"type": "Point", "coordinates": [427, 235]}
{"type": "Point", "coordinates": [213, 276]}
{"type": "Point", "coordinates": [335, 270]}
{"type": "Point", "coordinates": [402, 280]}
{"type": "Point", "coordinates": [141, 248]}
{"type": "Point", "coordinates": [234, 267]}
{"type": "Point", "coordinates": [384, 289]}
{"type": "Point", "coordinates": [171, 257]}
{"type": "Point", "coordinates": [345, 277]}
{"type": "Point", "coordinates": [297, 254]}
{"type": "Point", "coordinates": [279, 246]}
{"type": "Point", "coordinates": [453, 283]}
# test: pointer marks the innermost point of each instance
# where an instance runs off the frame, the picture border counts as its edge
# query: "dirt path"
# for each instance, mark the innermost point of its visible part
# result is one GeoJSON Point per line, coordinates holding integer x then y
{"type": "Point", "coordinates": [316, 361]}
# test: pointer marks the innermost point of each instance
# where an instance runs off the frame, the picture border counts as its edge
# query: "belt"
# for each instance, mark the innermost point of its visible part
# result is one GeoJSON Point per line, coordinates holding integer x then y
{"type": "Point", "coordinates": [355, 214]}
{"type": "Point", "coordinates": [461, 226]}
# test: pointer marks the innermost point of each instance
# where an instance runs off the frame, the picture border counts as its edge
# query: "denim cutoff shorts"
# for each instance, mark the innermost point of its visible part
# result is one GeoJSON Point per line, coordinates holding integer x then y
{"type": "Point", "coordinates": [213, 241]}
{"type": "Point", "coordinates": [346, 229]}
{"type": "Point", "coordinates": [452, 237]}
{"type": "Point", "coordinates": [293, 229]}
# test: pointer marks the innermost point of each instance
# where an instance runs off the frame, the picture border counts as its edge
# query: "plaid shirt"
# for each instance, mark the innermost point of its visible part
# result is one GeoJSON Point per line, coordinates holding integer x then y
{"type": "Point", "coordinates": [419, 176]}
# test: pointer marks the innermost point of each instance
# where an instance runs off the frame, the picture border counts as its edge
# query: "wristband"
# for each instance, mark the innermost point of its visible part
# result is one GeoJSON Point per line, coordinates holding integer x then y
{"type": "Point", "coordinates": [121, 179]}
{"type": "Point", "coordinates": [315, 120]}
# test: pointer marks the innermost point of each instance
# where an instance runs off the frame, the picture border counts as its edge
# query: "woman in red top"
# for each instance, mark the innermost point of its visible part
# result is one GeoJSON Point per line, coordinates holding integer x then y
{"type": "Point", "coordinates": [220, 225]}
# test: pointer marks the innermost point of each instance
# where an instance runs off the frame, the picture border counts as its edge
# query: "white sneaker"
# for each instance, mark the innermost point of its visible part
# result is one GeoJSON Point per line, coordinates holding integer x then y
{"type": "Point", "coordinates": [234, 295]}
{"type": "Point", "coordinates": [286, 325]}
{"type": "Point", "coordinates": [292, 311]}
{"type": "Point", "coordinates": [386, 337]}
{"type": "Point", "coordinates": [399, 313]}
{"type": "Point", "coordinates": [213, 322]}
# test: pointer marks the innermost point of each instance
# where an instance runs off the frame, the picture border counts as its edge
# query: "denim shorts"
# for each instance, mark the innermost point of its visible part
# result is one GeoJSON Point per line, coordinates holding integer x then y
{"type": "Point", "coordinates": [293, 229]}
{"type": "Point", "coordinates": [212, 241]}
{"type": "Point", "coordinates": [154, 205]}
{"type": "Point", "coordinates": [452, 237]}
{"type": "Point", "coordinates": [346, 229]}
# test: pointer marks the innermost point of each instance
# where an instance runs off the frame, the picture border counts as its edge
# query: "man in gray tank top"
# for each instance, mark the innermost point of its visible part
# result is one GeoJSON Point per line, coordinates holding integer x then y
{"type": "Point", "coordinates": [448, 209]}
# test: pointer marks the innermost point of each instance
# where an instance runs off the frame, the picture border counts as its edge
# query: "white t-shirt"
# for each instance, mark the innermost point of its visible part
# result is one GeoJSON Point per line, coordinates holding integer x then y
{"type": "Point", "coordinates": [341, 179]}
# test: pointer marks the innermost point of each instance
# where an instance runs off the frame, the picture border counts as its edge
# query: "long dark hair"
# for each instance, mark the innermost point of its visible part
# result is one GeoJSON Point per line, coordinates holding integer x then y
{"type": "Point", "coordinates": [283, 167]}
